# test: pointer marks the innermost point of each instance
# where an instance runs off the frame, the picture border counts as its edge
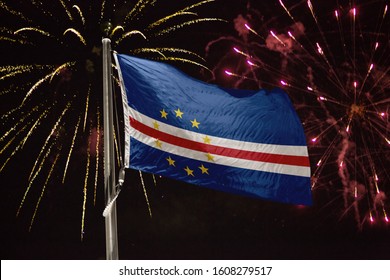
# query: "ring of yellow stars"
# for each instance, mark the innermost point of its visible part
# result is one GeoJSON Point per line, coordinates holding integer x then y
{"type": "Point", "coordinates": [179, 114]}
{"type": "Point", "coordinates": [195, 123]}
{"type": "Point", "coordinates": [207, 140]}
{"type": "Point", "coordinates": [164, 114]}
{"type": "Point", "coordinates": [158, 143]}
{"type": "Point", "coordinates": [170, 161]}
{"type": "Point", "coordinates": [210, 157]}
{"type": "Point", "coordinates": [204, 169]}
{"type": "Point", "coordinates": [189, 171]}
{"type": "Point", "coordinates": [156, 125]}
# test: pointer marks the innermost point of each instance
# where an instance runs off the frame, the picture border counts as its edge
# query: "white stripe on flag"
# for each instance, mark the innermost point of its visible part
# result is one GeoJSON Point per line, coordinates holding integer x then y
{"type": "Point", "coordinates": [222, 142]}
{"type": "Point", "coordinates": [220, 159]}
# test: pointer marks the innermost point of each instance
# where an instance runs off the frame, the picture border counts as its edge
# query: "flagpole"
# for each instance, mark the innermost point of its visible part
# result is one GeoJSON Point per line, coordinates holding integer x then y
{"type": "Point", "coordinates": [109, 156]}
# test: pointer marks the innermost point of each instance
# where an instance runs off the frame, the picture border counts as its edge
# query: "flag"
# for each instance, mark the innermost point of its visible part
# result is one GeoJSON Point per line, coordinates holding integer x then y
{"type": "Point", "coordinates": [238, 141]}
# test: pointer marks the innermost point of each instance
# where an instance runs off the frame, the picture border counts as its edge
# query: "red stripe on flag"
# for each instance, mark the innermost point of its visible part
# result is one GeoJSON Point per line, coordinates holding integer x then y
{"type": "Point", "coordinates": [217, 150]}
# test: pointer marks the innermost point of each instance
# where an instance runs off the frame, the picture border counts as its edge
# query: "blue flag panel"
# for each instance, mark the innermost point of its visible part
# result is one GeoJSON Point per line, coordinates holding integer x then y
{"type": "Point", "coordinates": [245, 142]}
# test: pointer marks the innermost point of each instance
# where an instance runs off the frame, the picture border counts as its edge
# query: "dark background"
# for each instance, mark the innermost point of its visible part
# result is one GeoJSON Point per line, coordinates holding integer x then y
{"type": "Point", "coordinates": [188, 222]}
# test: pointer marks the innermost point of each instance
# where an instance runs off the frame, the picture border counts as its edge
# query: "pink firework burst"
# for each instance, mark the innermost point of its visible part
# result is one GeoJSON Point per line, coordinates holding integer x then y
{"type": "Point", "coordinates": [333, 60]}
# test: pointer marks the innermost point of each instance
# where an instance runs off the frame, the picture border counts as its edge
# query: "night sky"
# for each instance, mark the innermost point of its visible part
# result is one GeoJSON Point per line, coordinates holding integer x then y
{"type": "Point", "coordinates": [188, 222]}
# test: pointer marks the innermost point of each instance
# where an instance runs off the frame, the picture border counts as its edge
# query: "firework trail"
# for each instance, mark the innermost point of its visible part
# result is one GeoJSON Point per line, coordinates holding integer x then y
{"type": "Point", "coordinates": [50, 81]}
{"type": "Point", "coordinates": [333, 59]}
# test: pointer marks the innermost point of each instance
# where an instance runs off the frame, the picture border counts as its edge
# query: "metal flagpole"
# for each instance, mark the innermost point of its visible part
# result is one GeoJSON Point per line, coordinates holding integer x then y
{"type": "Point", "coordinates": [109, 156]}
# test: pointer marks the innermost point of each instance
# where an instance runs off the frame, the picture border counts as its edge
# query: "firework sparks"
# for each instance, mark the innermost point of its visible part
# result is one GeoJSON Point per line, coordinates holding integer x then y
{"type": "Point", "coordinates": [60, 98]}
{"type": "Point", "coordinates": [334, 64]}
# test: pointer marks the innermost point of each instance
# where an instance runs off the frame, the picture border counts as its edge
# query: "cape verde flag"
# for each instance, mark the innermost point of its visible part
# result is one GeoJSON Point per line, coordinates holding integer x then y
{"type": "Point", "coordinates": [240, 141]}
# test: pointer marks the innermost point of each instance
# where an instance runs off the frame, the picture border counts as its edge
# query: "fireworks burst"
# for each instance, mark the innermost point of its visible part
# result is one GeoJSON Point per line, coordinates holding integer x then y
{"type": "Point", "coordinates": [333, 60]}
{"type": "Point", "coordinates": [50, 81]}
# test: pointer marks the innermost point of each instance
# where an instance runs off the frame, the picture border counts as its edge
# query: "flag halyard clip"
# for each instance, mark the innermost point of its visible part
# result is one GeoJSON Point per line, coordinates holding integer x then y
{"type": "Point", "coordinates": [118, 188]}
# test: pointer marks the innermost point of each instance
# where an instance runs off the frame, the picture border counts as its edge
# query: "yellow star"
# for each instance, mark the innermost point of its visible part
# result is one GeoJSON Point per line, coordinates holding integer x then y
{"type": "Point", "coordinates": [189, 171]}
{"type": "Point", "coordinates": [210, 157]}
{"type": "Point", "coordinates": [171, 161]}
{"type": "Point", "coordinates": [158, 143]}
{"type": "Point", "coordinates": [204, 169]}
{"type": "Point", "coordinates": [206, 140]}
{"type": "Point", "coordinates": [164, 114]}
{"type": "Point", "coordinates": [179, 114]}
{"type": "Point", "coordinates": [195, 123]}
{"type": "Point", "coordinates": [156, 125]}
